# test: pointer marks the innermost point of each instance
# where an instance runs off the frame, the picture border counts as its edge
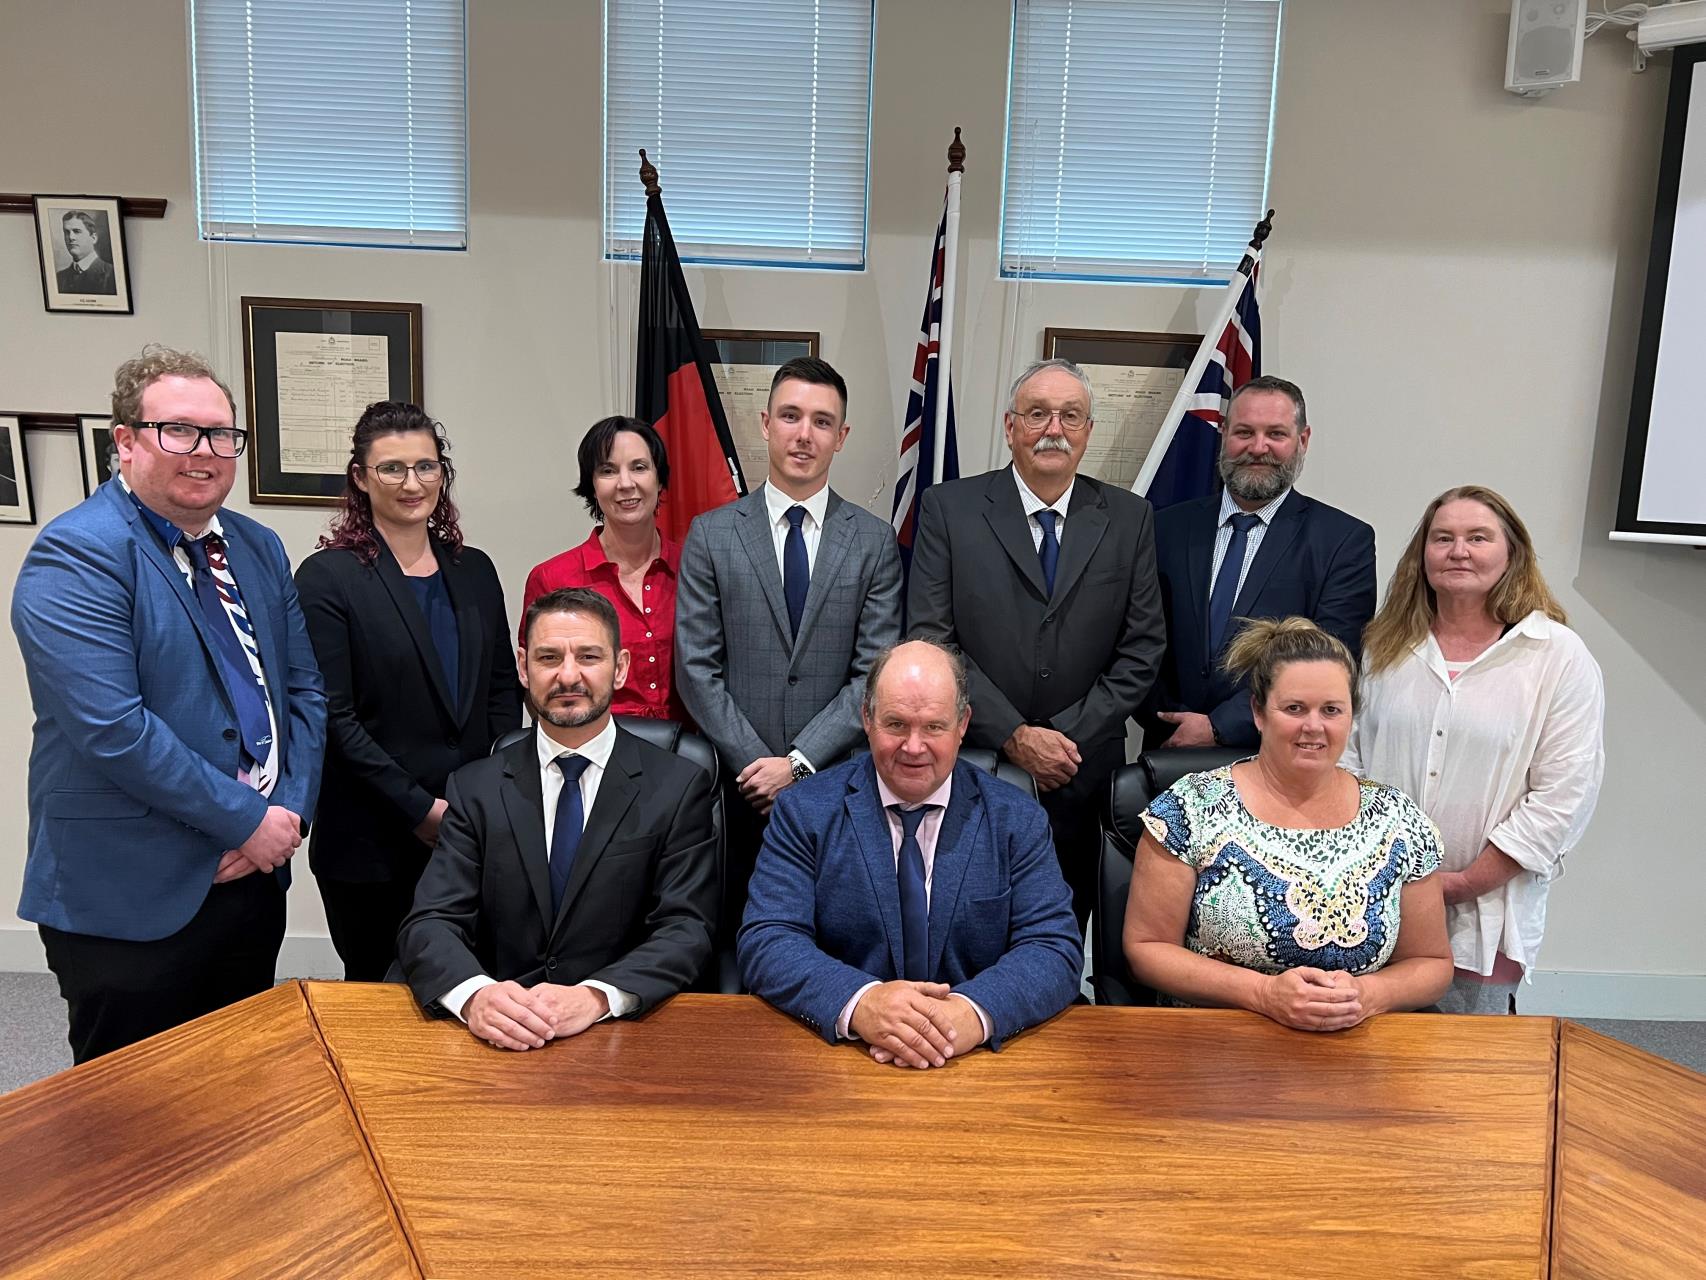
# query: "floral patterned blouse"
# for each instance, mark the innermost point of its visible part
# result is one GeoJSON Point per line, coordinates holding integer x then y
{"type": "Point", "coordinates": [1274, 898]}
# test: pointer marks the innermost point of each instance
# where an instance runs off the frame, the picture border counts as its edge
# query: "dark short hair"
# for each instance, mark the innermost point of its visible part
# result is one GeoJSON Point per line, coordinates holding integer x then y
{"type": "Point", "coordinates": [575, 600]}
{"type": "Point", "coordinates": [811, 369]}
{"type": "Point", "coordinates": [594, 452]}
{"type": "Point", "coordinates": [956, 664]}
{"type": "Point", "coordinates": [86, 218]}
{"type": "Point", "coordinates": [1267, 382]}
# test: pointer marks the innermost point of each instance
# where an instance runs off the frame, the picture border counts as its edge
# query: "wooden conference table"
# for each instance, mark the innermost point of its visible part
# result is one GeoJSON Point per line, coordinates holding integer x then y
{"type": "Point", "coordinates": [328, 1129]}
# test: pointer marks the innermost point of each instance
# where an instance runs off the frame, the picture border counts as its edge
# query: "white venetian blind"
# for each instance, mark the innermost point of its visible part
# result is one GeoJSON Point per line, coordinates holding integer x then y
{"type": "Point", "coordinates": [1137, 137]}
{"type": "Point", "coordinates": [332, 121]}
{"type": "Point", "coordinates": [758, 117]}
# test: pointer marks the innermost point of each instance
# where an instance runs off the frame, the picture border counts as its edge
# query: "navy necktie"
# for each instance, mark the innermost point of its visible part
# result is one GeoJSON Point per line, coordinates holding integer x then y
{"type": "Point", "coordinates": [566, 828]}
{"type": "Point", "coordinates": [796, 569]}
{"type": "Point", "coordinates": [1225, 591]}
{"type": "Point", "coordinates": [1049, 551]}
{"type": "Point", "coordinates": [914, 902]}
{"type": "Point", "coordinates": [247, 699]}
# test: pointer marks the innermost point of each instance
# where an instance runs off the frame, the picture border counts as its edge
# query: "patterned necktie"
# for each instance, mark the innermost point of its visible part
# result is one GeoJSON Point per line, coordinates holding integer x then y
{"type": "Point", "coordinates": [1226, 581]}
{"type": "Point", "coordinates": [914, 901]}
{"type": "Point", "coordinates": [796, 569]}
{"type": "Point", "coordinates": [1049, 550]}
{"type": "Point", "coordinates": [233, 643]}
{"type": "Point", "coordinates": [566, 827]}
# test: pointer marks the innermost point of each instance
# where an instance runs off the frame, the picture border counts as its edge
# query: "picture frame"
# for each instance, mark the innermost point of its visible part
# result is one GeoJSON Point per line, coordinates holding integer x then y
{"type": "Point", "coordinates": [1135, 377]}
{"type": "Point", "coordinates": [81, 251]}
{"type": "Point", "coordinates": [311, 366]}
{"type": "Point", "coordinates": [745, 362]}
{"type": "Point", "coordinates": [100, 454]}
{"type": "Point", "coordinates": [17, 498]}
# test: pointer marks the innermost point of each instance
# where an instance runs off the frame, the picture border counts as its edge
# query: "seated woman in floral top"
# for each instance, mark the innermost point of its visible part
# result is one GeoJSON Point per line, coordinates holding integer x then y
{"type": "Point", "coordinates": [1283, 884]}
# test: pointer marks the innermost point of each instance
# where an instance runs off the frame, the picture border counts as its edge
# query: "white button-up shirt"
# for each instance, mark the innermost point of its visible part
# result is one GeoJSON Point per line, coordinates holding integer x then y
{"type": "Point", "coordinates": [1033, 504]}
{"type": "Point", "coordinates": [1510, 752]}
{"type": "Point", "coordinates": [777, 503]}
{"type": "Point", "coordinates": [1223, 537]}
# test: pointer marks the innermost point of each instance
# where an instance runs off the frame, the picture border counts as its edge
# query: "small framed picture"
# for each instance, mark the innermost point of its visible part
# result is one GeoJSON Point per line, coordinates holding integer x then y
{"type": "Point", "coordinates": [83, 263]}
{"type": "Point", "coordinates": [100, 454]}
{"type": "Point", "coordinates": [17, 503]}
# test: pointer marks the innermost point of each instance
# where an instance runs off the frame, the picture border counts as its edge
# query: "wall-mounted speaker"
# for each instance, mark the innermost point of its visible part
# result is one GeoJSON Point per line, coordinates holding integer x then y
{"type": "Point", "coordinates": [1545, 48]}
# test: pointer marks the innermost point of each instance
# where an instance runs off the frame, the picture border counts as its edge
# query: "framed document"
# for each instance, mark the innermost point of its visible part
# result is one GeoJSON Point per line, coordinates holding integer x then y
{"type": "Point", "coordinates": [17, 503]}
{"type": "Point", "coordinates": [84, 267]}
{"type": "Point", "coordinates": [746, 361]}
{"type": "Point", "coordinates": [311, 367]}
{"type": "Point", "coordinates": [1136, 377]}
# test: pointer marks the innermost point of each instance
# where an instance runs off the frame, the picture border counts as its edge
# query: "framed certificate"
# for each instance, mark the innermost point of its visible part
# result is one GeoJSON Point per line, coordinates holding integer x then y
{"type": "Point", "coordinates": [746, 361]}
{"type": "Point", "coordinates": [311, 367]}
{"type": "Point", "coordinates": [1135, 377]}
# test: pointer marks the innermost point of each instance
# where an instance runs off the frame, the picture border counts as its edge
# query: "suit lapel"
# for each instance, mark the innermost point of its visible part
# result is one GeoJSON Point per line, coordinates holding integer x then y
{"type": "Point", "coordinates": [524, 802]}
{"type": "Point", "coordinates": [616, 792]}
{"type": "Point", "coordinates": [833, 541]}
{"type": "Point", "coordinates": [876, 844]}
{"type": "Point", "coordinates": [1199, 565]}
{"type": "Point", "coordinates": [167, 567]}
{"type": "Point", "coordinates": [753, 528]}
{"type": "Point", "coordinates": [1086, 522]}
{"type": "Point", "coordinates": [409, 609]}
{"type": "Point", "coordinates": [962, 827]}
{"type": "Point", "coordinates": [469, 626]}
{"type": "Point", "coordinates": [1276, 543]}
{"type": "Point", "coordinates": [1012, 528]}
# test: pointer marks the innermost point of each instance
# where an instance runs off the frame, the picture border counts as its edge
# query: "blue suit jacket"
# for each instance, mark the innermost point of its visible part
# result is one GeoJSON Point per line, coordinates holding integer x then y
{"type": "Point", "coordinates": [823, 906]}
{"type": "Point", "coordinates": [1315, 561]}
{"type": "Point", "coordinates": [133, 789]}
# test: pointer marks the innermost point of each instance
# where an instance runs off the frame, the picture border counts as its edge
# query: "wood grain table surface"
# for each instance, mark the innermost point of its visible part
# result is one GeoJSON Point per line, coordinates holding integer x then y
{"type": "Point", "coordinates": [719, 1138]}
{"type": "Point", "coordinates": [222, 1148]}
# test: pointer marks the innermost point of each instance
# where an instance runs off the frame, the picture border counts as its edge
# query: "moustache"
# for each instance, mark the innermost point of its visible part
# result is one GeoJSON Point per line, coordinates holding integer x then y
{"type": "Point", "coordinates": [568, 691]}
{"type": "Point", "coordinates": [1051, 444]}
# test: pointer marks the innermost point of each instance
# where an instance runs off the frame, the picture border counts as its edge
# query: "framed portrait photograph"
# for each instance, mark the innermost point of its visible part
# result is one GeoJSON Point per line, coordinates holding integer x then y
{"type": "Point", "coordinates": [1135, 377]}
{"type": "Point", "coordinates": [17, 502]}
{"type": "Point", "coordinates": [84, 266]}
{"type": "Point", "coordinates": [311, 367]}
{"type": "Point", "coordinates": [100, 454]}
{"type": "Point", "coordinates": [746, 361]}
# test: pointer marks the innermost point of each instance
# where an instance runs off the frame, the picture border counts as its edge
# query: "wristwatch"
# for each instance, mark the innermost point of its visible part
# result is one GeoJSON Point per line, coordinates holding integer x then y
{"type": "Point", "coordinates": [799, 765]}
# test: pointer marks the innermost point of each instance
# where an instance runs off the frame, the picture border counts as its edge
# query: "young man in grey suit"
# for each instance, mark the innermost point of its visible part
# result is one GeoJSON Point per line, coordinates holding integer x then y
{"type": "Point", "coordinates": [1045, 579]}
{"type": "Point", "coordinates": [784, 600]}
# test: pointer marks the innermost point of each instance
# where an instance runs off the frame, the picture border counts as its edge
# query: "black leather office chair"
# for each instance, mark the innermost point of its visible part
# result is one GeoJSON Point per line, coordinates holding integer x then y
{"type": "Point", "coordinates": [723, 975]}
{"type": "Point", "coordinates": [1129, 793]}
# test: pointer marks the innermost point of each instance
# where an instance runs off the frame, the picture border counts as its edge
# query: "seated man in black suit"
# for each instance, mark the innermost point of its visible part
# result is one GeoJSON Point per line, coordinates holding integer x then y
{"type": "Point", "coordinates": [1257, 549]}
{"type": "Point", "coordinates": [556, 896]}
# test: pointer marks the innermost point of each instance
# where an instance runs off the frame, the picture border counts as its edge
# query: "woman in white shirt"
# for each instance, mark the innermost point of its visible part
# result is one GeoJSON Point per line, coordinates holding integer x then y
{"type": "Point", "coordinates": [1489, 712]}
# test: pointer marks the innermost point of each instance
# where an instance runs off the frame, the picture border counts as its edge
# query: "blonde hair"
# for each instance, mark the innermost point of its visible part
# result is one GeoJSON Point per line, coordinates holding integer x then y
{"type": "Point", "coordinates": [137, 374]}
{"type": "Point", "coordinates": [1410, 605]}
{"type": "Point", "coordinates": [1266, 645]}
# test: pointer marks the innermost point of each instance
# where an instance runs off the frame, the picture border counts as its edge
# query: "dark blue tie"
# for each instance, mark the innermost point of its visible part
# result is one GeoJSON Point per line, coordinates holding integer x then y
{"type": "Point", "coordinates": [1225, 591]}
{"type": "Point", "coordinates": [796, 569]}
{"type": "Point", "coordinates": [247, 699]}
{"type": "Point", "coordinates": [566, 829]}
{"type": "Point", "coordinates": [914, 902]}
{"type": "Point", "coordinates": [1049, 551]}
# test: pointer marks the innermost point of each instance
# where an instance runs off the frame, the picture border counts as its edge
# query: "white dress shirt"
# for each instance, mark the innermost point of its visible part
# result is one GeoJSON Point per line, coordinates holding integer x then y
{"type": "Point", "coordinates": [929, 830]}
{"type": "Point", "coordinates": [777, 503]}
{"type": "Point", "coordinates": [1511, 751]}
{"type": "Point", "coordinates": [597, 752]}
{"type": "Point", "coordinates": [1033, 504]}
{"type": "Point", "coordinates": [1223, 537]}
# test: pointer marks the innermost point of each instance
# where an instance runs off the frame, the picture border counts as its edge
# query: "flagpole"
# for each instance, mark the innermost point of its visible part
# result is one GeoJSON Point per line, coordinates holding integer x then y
{"type": "Point", "coordinates": [1205, 352]}
{"type": "Point", "coordinates": [945, 346]}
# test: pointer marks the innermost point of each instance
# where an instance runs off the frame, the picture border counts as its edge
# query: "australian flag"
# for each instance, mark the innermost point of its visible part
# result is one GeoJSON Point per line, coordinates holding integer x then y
{"type": "Point", "coordinates": [918, 436]}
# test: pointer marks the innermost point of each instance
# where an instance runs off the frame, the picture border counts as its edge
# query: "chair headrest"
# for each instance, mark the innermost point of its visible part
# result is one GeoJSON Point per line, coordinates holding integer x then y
{"type": "Point", "coordinates": [1135, 785]}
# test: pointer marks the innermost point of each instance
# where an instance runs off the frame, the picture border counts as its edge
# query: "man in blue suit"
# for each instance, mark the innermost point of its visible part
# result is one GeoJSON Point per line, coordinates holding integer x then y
{"type": "Point", "coordinates": [905, 899]}
{"type": "Point", "coordinates": [179, 725]}
{"type": "Point", "coordinates": [1257, 549]}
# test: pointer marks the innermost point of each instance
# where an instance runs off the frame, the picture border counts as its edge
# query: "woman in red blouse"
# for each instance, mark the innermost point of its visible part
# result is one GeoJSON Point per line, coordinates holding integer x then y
{"type": "Point", "coordinates": [623, 471]}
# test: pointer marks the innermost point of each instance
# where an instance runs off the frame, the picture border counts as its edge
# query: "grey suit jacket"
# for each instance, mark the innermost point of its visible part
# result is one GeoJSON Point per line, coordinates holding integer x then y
{"type": "Point", "coordinates": [752, 688]}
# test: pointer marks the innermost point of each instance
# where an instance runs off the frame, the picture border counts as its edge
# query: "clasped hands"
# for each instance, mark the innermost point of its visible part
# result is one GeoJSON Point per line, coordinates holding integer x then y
{"type": "Point", "coordinates": [915, 1024]}
{"type": "Point", "coordinates": [512, 1016]}
{"type": "Point", "coordinates": [1048, 755]}
{"type": "Point", "coordinates": [1307, 999]}
{"type": "Point", "coordinates": [268, 847]}
{"type": "Point", "coordinates": [762, 781]}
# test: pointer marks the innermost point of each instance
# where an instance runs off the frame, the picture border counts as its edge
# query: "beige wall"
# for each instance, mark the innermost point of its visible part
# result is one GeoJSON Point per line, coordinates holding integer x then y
{"type": "Point", "coordinates": [1455, 279]}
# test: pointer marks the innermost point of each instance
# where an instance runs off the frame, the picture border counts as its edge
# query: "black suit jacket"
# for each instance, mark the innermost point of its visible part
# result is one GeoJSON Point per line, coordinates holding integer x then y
{"type": "Point", "coordinates": [640, 904]}
{"type": "Point", "coordinates": [1315, 562]}
{"type": "Point", "coordinates": [1079, 661]}
{"type": "Point", "coordinates": [395, 731]}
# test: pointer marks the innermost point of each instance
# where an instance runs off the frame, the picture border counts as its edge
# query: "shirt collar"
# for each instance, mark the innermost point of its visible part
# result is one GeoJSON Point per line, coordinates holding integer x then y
{"type": "Point", "coordinates": [777, 503]}
{"type": "Point", "coordinates": [168, 532]}
{"type": "Point", "coordinates": [1229, 508]}
{"type": "Point", "coordinates": [597, 750]}
{"type": "Point", "coordinates": [1034, 504]}
{"type": "Point", "coordinates": [593, 557]}
{"type": "Point", "coordinates": [937, 797]}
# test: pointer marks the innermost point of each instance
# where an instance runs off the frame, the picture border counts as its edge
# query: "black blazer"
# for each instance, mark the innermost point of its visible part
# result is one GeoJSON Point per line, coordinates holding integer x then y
{"type": "Point", "coordinates": [1315, 562]}
{"type": "Point", "coordinates": [1079, 661]}
{"type": "Point", "coordinates": [394, 731]}
{"type": "Point", "coordinates": [642, 896]}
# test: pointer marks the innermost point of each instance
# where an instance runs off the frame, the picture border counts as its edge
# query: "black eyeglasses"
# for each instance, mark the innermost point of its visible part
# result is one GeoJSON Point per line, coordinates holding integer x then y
{"type": "Point", "coordinates": [426, 471]}
{"type": "Point", "coordinates": [186, 437]}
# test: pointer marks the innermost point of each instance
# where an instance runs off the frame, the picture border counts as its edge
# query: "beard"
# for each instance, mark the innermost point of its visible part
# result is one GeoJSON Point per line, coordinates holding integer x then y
{"type": "Point", "coordinates": [570, 718]}
{"type": "Point", "coordinates": [1244, 479]}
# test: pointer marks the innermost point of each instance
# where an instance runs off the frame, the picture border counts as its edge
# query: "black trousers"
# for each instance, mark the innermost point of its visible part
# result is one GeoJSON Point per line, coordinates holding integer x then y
{"type": "Point", "coordinates": [743, 833]}
{"type": "Point", "coordinates": [119, 992]}
{"type": "Point", "coordinates": [363, 920]}
{"type": "Point", "coordinates": [1075, 820]}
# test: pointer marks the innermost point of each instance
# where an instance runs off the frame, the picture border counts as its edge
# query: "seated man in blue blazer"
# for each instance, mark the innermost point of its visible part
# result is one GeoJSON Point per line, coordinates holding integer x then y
{"type": "Point", "coordinates": [1257, 549]}
{"type": "Point", "coordinates": [906, 899]}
